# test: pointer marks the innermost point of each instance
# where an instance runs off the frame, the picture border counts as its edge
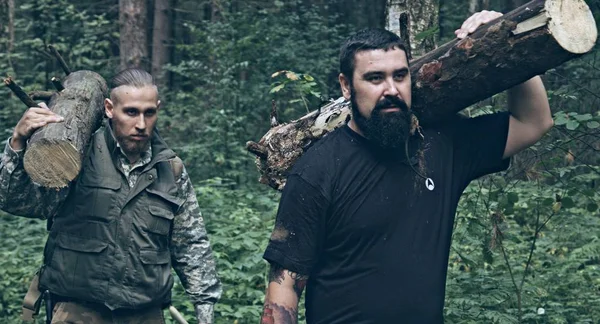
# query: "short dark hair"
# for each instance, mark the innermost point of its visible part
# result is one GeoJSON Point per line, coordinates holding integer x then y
{"type": "Point", "coordinates": [132, 77]}
{"type": "Point", "coordinates": [364, 40]}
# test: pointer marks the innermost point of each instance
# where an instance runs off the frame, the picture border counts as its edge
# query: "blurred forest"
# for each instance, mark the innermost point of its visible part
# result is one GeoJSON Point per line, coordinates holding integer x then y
{"type": "Point", "coordinates": [526, 245]}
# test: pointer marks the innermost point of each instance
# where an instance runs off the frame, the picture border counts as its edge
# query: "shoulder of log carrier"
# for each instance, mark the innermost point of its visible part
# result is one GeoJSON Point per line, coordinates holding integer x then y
{"type": "Point", "coordinates": [177, 167]}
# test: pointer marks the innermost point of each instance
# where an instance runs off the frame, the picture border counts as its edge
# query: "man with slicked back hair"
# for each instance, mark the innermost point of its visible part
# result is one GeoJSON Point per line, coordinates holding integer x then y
{"type": "Point", "coordinates": [128, 218]}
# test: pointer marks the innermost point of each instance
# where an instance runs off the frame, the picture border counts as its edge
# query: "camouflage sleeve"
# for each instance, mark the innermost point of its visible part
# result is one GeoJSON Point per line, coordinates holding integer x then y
{"type": "Point", "coordinates": [19, 195]}
{"type": "Point", "coordinates": [192, 256]}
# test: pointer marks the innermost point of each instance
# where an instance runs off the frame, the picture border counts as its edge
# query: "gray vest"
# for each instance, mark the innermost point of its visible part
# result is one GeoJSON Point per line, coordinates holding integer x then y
{"type": "Point", "coordinates": [110, 244]}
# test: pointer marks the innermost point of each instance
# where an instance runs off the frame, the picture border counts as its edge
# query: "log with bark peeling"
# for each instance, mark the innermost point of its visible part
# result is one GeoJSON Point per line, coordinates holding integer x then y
{"type": "Point", "coordinates": [525, 42]}
{"type": "Point", "coordinates": [55, 152]}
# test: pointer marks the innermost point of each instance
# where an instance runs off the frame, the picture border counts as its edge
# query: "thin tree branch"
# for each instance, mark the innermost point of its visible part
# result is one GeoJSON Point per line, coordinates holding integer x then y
{"type": "Point", "coordinates": [60, 59]}
{"type": "Point", "coordinates": [19, 92]}
{"type": "Point", "coordinates": [40, 95]}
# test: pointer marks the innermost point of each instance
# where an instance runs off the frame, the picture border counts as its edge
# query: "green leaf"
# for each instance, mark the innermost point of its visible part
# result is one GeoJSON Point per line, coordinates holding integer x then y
{"type": "Point", "coordinates": [277, 88]}
{"type": "Point", "coordinates": [548, 202]}
{"type": "Point", "coordinates": [592, 207]}
{"type": "Point", "coordinates": [561, 119]}
{"type": "Point", "coordinates": [513, 197]}
{"type": "Point", "coordinates": [593, 124]}
{"type": "Point", "coordinates": [584, 117]}
{"type": "Point", "coordinates": [567, 202]}
{"type": "Point", "coordinates": [572, 124]}
{"type": "Point", "coordinates": [426, 33]}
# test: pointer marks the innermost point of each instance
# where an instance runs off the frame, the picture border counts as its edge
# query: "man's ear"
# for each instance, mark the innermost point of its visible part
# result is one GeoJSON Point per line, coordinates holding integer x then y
{"type": "Point", "coordinates": [158, 105]}
{"type": "Point", "coordinates": [345, 86]}
{"type": "Point", "coordinates": [108, 108]}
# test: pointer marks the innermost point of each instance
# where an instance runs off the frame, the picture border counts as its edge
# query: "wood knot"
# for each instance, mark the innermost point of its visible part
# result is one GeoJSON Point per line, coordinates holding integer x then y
{"type": "Point", "coordinates": [430, 72]}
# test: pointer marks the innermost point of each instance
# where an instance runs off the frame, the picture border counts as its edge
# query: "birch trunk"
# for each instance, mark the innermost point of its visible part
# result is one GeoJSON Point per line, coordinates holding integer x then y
{"type": "Point", "coordinates": [418, 18]}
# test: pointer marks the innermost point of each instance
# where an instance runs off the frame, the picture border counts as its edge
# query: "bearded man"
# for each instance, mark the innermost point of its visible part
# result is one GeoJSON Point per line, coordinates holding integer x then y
{"type": "Point", "coordinates": [365, 219]}
{"type": "Point", "coordinates": [118, 229]}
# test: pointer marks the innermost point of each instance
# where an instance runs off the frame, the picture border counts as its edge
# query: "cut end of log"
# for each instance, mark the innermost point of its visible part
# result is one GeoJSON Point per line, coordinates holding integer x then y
{"type": "Point", "coordinates": [52, 163]}
{"type": "Point", "coordinates": [572, 24]}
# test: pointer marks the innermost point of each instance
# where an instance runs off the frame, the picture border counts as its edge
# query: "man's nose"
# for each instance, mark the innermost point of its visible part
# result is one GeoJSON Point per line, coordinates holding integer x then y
{"type": "Point", "coordinates": [390, 88]}
{"type": "Point", "coordinates": [141, 122]}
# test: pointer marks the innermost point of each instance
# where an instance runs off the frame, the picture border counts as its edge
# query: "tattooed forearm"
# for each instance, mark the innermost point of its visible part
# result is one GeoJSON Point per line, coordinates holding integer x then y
{"type": "Point", "coordinates": [297, 276]}
{"type": "Point", "coordinates": [276, 274]}
{"type": "Point", "coordinates": [277, 314]}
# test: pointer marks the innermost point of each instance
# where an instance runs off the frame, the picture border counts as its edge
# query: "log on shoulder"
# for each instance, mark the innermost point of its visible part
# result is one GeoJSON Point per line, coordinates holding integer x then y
{"type": "Point", "coordinates": [55, 152]}
{"type": "Point", "coordinates": [525, 42]}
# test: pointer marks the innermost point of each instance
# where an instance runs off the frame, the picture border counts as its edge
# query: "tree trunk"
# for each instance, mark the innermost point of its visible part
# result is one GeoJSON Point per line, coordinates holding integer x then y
{"type": "Point", "coordinates": [7, 27]}
{"type": "Point", "coordinates": [161, 34]}
{"type": "Point", "coordinates": [55, 152]}
{"type": "Point", "coordinates": [507, 51]}
{"type": "Point", "coordinates": [417, 18]}
{"type": "Point", "coordinates": [478, 5]}
{"type": "Point", "coordinates": [133, 34]}
{"type": "Point", "coordinates": [11, 25]}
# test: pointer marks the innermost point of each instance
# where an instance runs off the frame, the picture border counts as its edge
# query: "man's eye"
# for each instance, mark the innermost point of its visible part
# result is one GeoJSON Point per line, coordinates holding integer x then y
{"type": "Point", "coordinates": [131, 112]}
{"type": "Point", "coordinates": [399, 77]}
{"type": "Point", "coordinates": [374, 78]}
{"type": "Point", "coordinates": [150, 113]}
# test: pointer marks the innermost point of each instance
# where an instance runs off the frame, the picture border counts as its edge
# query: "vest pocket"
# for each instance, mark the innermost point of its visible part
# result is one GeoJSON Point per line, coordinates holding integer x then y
{"type": "Point", "coordinates": [78, 264]}
{"type": "Point", "coordinates": [155, 257]}
{"type": "Point", "coordinates": [95, 197]}
{"type": "Point", "coordinates": [161, 221]}
{"type": "Point", "coordinates": [155, 278]}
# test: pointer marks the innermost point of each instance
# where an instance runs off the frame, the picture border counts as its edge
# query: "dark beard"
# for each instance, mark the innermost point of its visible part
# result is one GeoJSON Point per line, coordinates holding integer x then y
{"type": "Point", "coordinates": [385, 129]}
{"type": "Point", "coordinates": [133, 147]}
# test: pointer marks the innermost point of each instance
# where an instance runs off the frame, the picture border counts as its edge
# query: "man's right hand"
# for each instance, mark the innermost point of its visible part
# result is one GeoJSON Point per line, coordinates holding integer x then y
{"type": "Point", "coordinates": [32, 119]}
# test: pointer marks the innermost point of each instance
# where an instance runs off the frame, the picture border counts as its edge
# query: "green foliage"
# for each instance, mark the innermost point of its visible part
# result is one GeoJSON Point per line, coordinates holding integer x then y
{"type": "Point", "coordinates": [20, 257]}
{"type": "Point", "coordinates": [573, 120]}
{"type": "Point", "coordinates": [239, 223]}
{"type": "Point", "coordinates": [299, 86]}
{"type": "Point", "coordinates": [223, 94]}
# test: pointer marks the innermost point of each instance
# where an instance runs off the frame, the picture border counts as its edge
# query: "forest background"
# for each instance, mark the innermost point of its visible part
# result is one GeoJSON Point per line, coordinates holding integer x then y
{"type": "Point", "coordinates": [526, 244]}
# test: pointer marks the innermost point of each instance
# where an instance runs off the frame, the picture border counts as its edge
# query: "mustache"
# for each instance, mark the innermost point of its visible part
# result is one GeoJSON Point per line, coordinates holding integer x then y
{"type": "Point", "coordinates": [389, 102]}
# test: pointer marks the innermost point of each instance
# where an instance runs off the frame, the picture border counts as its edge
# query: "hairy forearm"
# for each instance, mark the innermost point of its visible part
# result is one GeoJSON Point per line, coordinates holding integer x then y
{"type": "Point", "coordinates": [528, 103]}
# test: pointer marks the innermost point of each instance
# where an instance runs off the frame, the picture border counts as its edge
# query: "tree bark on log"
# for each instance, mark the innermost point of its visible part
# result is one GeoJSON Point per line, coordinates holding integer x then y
{"type": "Point", "coordinates": [526, 42]}
{"type": "Point", "coordinates": [55, 152]}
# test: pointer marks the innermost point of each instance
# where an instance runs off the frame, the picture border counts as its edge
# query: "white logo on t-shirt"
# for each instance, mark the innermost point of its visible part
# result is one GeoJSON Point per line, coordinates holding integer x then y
{"type": "Point", "coordinates": [429, 184]}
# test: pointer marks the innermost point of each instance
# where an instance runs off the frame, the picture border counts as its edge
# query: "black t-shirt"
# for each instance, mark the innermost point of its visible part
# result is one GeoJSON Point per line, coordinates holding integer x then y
{"type": "Point", "coordinates": [372, 237]}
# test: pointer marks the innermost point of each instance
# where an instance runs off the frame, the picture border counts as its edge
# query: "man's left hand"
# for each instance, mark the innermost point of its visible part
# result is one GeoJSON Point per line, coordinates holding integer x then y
{"type": "Point", "coordinates": [476, 20]}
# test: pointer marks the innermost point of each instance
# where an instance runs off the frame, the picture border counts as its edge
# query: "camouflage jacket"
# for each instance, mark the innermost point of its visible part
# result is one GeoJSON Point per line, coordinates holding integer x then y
{"type": "Point", "coordinates": [191, 254]}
